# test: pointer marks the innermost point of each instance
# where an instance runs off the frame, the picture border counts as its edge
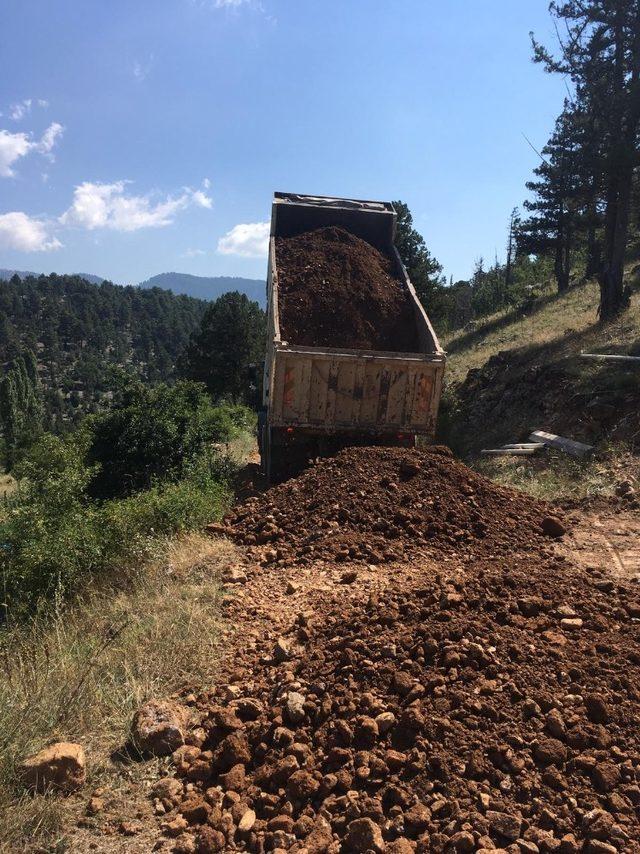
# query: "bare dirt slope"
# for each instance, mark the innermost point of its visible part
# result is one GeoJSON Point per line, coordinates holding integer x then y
{"type": "Point", "coordinates": [440, 699]}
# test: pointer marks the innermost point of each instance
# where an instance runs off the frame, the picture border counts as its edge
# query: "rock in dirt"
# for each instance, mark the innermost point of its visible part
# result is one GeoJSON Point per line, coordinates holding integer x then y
{"type": "Point", "coordinates": [553, 527]}
{"type": "Point", "coordinates": [364, 835]}
{"type": "Point", "coordinates": [295, 707]}
{"type": "Point", "coordinates": [247, 821]}
{"type": "Point", "coordinates": [282, 650]}
{"type": "Point", "coordinates": [597, 708]}
{"type": "Point", "coordinates": [159, 727]}
{"type": "Point", "coordinates": [61, 767]}
{"type": "Point", "coordinates": [504, 825]}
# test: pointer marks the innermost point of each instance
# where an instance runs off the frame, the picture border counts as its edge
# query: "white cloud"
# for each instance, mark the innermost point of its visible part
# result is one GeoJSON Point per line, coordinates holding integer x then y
{"type": "Point", "coordinates": [194, 253]}
{"type": "Point", "coordinates": [248, 239]}
{"type": "Point", "coordinates": [49, 138]}
{"type": "Point", "coordinates": [25, 234]}
{"type": "Point", "coordinates": [13, 146]}
{"type": "Point", "coordinates": [201, 199]}
{"type": "Point", "coordinates": [141, 70]}
{"type": "Point", "coordinates": [22, 108]}
{"type": "Point", "coordinates": [98, 205]}
{"type": "Point", "coordinates": [18, 111]}
{"type": "Point", "coordinates": [230, 4]}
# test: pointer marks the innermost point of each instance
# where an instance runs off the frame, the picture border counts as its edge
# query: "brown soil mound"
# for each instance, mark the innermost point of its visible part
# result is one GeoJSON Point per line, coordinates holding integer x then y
{"type": "Point", "coordinates": [461, 715]}
{"type": "Point", "coordinates": [336, 290]}
{"type": "Point", "coordinates": [375, 504]}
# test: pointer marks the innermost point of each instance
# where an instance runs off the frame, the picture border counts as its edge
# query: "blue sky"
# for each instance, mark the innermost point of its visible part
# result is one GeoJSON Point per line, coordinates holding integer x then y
{"type": "Point", "coordinates": [148, 136]}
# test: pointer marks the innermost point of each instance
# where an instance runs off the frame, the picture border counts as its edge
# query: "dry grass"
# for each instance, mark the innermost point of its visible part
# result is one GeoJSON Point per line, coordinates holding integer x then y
{"type": "Point", "coordinates": [8, 485]}
{"type": "Point", "coordinates": [568, 321]}
{"type": "Point", "coordinates": [557, 477]}
{"type": "Point", "coordinates": [558, 327]}
{"type": "Point", "coordinates": [80, 675]}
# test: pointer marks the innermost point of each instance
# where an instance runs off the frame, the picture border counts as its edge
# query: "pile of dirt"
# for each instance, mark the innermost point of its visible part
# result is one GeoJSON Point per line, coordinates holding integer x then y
{"type": "Point", "coordinates": [385, 504]}
{"type": "Point", "coordinates": [336, 290]}
{"type": "Point", "coordinates": [491, 708]}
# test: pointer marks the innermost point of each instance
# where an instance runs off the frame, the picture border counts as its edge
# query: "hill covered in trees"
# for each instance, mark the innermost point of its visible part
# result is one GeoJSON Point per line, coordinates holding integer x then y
{"type": "Point", "coordinates": [209, 287]}
{"type": "Point", "coordinates": [6, 274]}
{"type": "Point", "coordinates": [85, 336]}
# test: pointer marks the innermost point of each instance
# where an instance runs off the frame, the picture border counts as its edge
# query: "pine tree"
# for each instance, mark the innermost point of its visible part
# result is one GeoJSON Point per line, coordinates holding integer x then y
{"type": "Point", "coordinates": [21, 406]}
{"type": "Point", "coordinates": [9, 416]}
{"type": "Point", "coordinates": [514, 224]}
{"type": "Point", "coordinates": [227, 347]}
{"type": "Point", "coordinates": [424, 271]}
{"type": "Point", "coordinates": [601, 54]}
{"type": "Point", "coordinates": [555, 205]}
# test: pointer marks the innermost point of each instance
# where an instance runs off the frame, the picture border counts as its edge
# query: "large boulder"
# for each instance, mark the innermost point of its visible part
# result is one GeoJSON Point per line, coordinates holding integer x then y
{"type": "Point", "coordinates": [61, 766]}
{"type": "Point", "coordinates": [159, 727]}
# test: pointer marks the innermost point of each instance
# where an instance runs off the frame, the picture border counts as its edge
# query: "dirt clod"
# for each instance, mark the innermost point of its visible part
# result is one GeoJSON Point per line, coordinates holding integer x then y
{"type": "Point", "coordinates": [159, 727]}
{"type": "Point", "coordinates": [61, 767]}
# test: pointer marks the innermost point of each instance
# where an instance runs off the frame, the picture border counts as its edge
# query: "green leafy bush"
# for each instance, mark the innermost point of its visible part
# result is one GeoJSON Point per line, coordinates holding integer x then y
{"type": "Point", "coordinates": [152, 434]}
{"type": "Point", "coordinates": [55, 532]}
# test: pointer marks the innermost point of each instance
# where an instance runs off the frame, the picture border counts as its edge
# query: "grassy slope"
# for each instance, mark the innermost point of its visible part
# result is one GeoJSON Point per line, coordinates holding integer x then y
{"type": "Point", "coordinates": [555, 332]}
{"type": "Point", "coordinates": [80, 676]}
{"type": "Point", "coordinates": [141, 632]}
{"type": "Point", "coordinates": [566, 323]}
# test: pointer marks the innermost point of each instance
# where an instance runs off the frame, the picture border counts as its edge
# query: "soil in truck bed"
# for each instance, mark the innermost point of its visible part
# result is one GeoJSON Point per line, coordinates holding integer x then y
{"type": "Point", "coordinates": [336, 290]}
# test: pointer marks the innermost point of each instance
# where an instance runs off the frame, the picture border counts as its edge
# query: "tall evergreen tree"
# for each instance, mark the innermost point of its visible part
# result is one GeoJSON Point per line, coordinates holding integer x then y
{"type": "Point", "coordinates": [423, 269]}
{"type": "Point", "coordinates": [601, 54]}
{"type": "Point", "coordinates": [21, 410]}
{"type": "Point", "coordinates": [514, 224]}
{"type": "Point", "coordinates": [228, 347]}
{"type": "Point", "coordinates": [555, 205]}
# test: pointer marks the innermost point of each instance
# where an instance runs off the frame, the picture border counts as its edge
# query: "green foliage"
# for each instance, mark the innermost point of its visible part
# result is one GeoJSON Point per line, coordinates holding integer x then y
{"type": "Point", "coordinates": [225, 351]}
{"type": "Point", "coordinates": [598, 53]}
{"type": "Point", "coordinates": [423, 269]}
{"type": "Point", "coordinates": [558, 196]}
{"type": "Point", "coordinates": [55, 532]}
{"type": "Point", "coordinates": [49, 535]}
{"type": "Point", "coordinates": [85, 331]}
{"type": "Point", "coordinates": [21, 410]}
{"type": "Point", "coordinates": [151, 434]}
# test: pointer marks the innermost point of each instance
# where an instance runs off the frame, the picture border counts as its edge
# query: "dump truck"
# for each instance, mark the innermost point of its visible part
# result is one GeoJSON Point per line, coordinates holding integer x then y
{"type": "Point", "coordinates": [318, 399]}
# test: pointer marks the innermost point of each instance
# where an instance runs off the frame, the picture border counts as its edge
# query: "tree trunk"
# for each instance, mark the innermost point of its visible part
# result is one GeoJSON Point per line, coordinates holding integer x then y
{"type": "Point", "coordinates": [561, 264]}
{"type": "Point", "coordinates": [593, 246]}
{"type": "Point", "coordinates": [593, 252]}
{"type": "Point", "coordinates": [612, 295]}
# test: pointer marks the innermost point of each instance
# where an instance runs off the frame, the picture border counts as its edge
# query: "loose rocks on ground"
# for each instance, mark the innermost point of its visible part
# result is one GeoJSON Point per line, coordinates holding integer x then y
{"type": "Point", "coordinates": [447, 709]}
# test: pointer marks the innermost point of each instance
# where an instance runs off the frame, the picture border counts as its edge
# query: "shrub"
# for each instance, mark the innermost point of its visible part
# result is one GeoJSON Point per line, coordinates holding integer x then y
{"type": "Point", "coordinates": [153, 434]}
{"type": "Point", "coordinates": [54, 534]}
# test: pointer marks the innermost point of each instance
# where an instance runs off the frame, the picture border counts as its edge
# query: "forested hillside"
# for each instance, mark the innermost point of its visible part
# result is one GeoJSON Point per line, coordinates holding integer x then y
{"type": "Point", "coordinates": [84, 335]}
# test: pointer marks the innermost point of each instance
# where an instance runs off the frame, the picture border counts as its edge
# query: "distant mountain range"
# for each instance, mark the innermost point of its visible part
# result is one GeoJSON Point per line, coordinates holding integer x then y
{"type": "Point", "coordinates": [208, 287]}
{"type": "Point", "coordinates": [202, 287]}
